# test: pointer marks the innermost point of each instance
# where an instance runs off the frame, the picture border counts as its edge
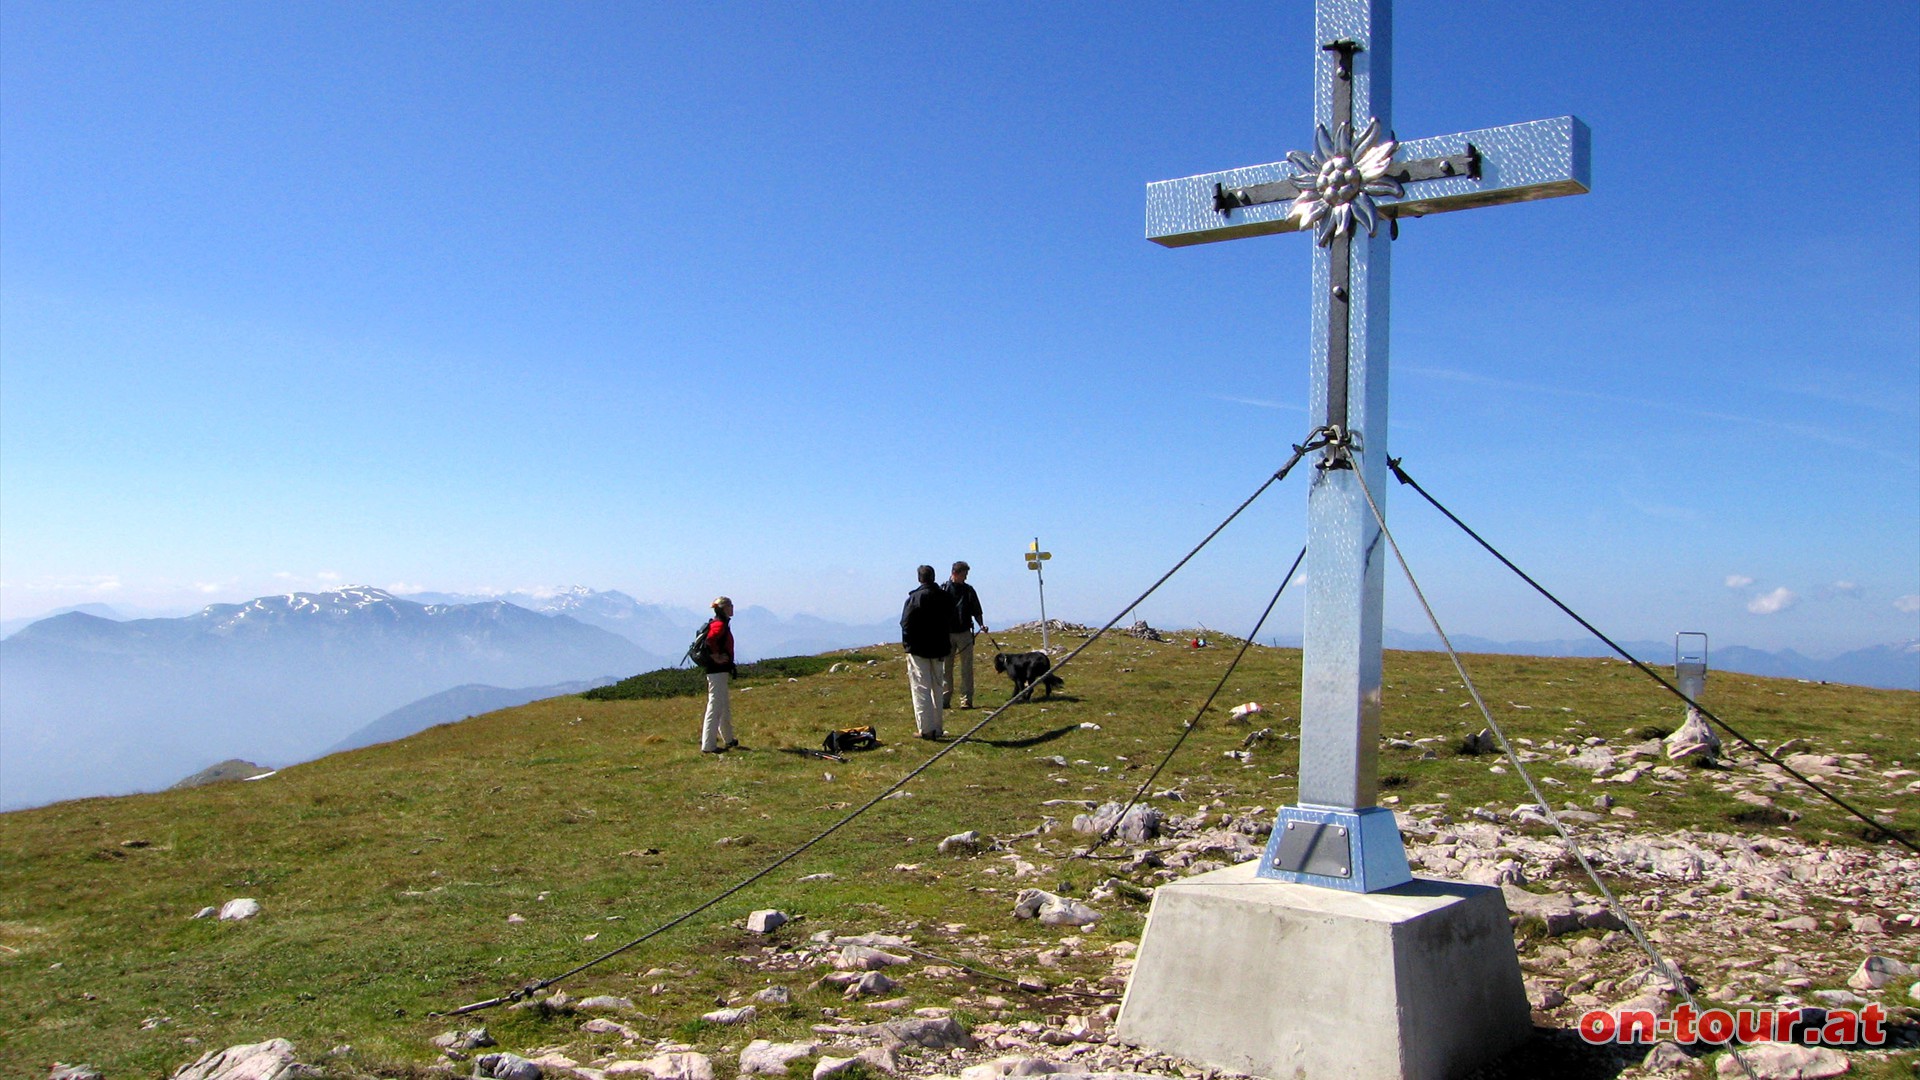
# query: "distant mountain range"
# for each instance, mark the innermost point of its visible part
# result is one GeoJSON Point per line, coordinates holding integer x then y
{"type": "Point", "coordinates": [1890, 667]}
{"type": "Point", "coordinates": [666, 630]}
{"type": "Point", "coordinates": [99, 611]}
{"type": "Point", "coordinates": [458, 703]}
{"type": "Point", "coordinates": [90, 706]}
{"type": "Point", "coordinates": [94, 705]}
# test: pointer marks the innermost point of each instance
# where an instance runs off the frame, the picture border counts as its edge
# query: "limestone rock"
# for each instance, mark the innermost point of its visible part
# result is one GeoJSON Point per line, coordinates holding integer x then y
{"type": "Point", "coordinates": [1666, 1057]}
{"type": "Point", "coordinates": [64, 1071]}
{"type": "Point", "coordinates": [934, 1033]}
{"type": "Point", "coordinates": [505, 1067]}
{"type": "Point", "coordinates": [870, 984]}
{"type": "Point", "coordinates": [1695, 739]}
{"type": "Point", "coordinates": [604, 1003]}
{"type": "Point", "coordinates": [731, 1016]}
{"type": "Point", "coordinates": [1052, 910]}
{"type": "Point", "coordinates": [882, 1058]}
{"type": "Point", "coordinates": [1481, 742]}
{"type": "Point", "coordinates": [472, 1039]}
{"type": "Point", "coordinates": [1877, 971]}
{"type": "Point", "coordinates": [964, 843]}
{"type": "Point", "coordinates": [601, 1025]}
{"type": "Point", "coordinates": [686, 1065]}
{"type": "Point", "coordinates": [1544, 996]}
{"type": "Point", "coordinates": [1137, 825]}
{"type": "Point", "coordinates": [766, 921]}
{"type": "Point", "coordinates": [235, 910]}
{"type": "Point", "coordinates": [866, 958]}
{"type": "Point", "coordinates": [831, 1066]}
{"type": "Point", "coordinates": [762, 1057]}
{"type": "Point", "coordinates": [773, 995]}
{"type": "Point", "coordinates": [270, 1060]}
{"type": "Point", "coordinates": [1594, 759]}
{"type": "Point", "coordinates": [1784, 1061]}
{"type": "Point", "coordinates": [1002, 1068]}
{"type": "Point", "coordinates": [1554, 909]}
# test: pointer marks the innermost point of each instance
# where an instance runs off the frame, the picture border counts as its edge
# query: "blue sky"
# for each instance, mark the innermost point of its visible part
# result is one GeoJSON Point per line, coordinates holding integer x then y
{"type": "Point", "coordinates": [780, 300]}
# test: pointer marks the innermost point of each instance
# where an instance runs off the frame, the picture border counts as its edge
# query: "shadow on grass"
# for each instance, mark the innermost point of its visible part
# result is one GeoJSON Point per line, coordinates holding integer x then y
{"type": "Point", "coordinates": [1030, 740]}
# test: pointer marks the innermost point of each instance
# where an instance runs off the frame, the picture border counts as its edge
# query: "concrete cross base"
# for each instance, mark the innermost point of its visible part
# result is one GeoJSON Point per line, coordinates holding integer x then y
{"type": "Point", "coordinates": [1288, 981]}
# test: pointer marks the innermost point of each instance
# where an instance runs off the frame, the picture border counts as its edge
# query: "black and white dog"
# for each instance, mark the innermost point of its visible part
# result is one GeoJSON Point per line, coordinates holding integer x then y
{"type": "Point", "coordinates": [1026, 669]}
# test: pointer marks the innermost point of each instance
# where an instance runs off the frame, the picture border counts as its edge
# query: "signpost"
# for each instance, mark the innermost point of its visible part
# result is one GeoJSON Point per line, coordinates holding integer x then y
{"type": "Point", "coordinates": [1690, 662]}
{"type": "Point", "coordinates": [1034, 558]}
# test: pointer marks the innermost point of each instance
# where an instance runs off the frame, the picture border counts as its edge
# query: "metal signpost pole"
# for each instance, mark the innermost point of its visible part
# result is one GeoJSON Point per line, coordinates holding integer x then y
{"type": "Point", "coordinates": [1034, 558]}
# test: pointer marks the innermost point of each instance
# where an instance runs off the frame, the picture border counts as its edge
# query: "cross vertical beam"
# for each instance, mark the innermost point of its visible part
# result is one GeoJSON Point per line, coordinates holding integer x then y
{"type": "Point", "coordinates": [1340, 680]}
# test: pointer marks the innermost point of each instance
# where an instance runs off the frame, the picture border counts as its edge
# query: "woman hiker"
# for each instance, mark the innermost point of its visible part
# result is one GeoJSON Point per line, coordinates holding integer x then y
{"type": "Point", "coordinates": [716, 730]}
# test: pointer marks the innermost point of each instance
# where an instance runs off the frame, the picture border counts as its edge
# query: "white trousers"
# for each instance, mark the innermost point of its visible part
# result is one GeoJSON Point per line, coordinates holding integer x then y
{"type": "Point", "coordinates": [957, 672]}
{"type": "Point", "coordinates": [716, 731]}
{"type": "Point", "coordinates": [923, 675]}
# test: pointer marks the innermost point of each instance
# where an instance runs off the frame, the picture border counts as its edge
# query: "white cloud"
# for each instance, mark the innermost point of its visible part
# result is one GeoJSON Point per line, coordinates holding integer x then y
{"type": "Point", "coordinates": [402, 588]}
{"type": "Point", "coordinates": [1772, 603]}
{"type": "Point", "coordinates": [1909, 603]}
{"type": "Point", "coordinates": [327, 575]}
{"type": "Point", "coordinates": [1845, 586]}
{"type": "Point", "coordinates": [1738, 581]}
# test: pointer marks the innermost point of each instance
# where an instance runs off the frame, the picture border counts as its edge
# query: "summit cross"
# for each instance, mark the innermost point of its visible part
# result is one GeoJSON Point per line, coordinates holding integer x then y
{"type": "Point", "coordinates": [1351, 189]}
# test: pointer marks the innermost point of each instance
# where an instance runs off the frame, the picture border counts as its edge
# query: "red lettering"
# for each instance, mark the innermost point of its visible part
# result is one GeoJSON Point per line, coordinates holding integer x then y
{"type": "Point", "coordinates": [1757, 1025]}
{"type": "Point", "coordinates": [1871, 1020]}
{"type": "Point", "coordinates": [1716, 1026]}
{"type": "Point", "coordinates": [1843, 1029]}
{"type": "Point", "coordinates": [1639, 1026]}
{"type": "Point", "coordinates": [1683, 1023]}
{"type": "Point", "coordinates": [1596, 1026]}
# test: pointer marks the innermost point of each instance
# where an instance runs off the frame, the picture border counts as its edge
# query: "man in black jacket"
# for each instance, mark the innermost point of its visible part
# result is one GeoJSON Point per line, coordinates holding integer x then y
{"type": "Point", "coordinates": [957, 672]}
{"type": "Point", "coordinates": [926, 629]}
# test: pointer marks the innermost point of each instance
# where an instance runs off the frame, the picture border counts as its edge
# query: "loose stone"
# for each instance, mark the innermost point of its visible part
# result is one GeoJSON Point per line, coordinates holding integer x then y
{"type": "Point", "coordinates": [762, 1057]}
{"type": "Point", "coordinates": [766, 921]}
{"type": "Point", "coordinates": [685, 1065]}
{"type": "Point", "coordinates": [1784, 1061]}
{"type": "Point", "coordinates": [505, 1067]}
{"type": "Point", "coordinates": [235, 910]}
{"type": "Point", "coordinates": [270, 1060]}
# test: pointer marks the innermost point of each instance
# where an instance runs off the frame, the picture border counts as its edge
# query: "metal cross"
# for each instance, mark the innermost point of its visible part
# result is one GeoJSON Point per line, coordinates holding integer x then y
{"type": "Point", "coordinates": [1352, 189]}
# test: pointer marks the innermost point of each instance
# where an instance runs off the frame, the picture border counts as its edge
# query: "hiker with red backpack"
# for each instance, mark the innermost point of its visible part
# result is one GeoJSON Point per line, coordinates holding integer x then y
{"type": "Point", "coordinates": [713, 651]}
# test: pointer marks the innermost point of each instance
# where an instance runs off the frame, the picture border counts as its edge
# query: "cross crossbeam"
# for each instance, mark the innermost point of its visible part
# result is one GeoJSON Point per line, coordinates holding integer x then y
{"type": "Point", "coordinates": [1540, 159]}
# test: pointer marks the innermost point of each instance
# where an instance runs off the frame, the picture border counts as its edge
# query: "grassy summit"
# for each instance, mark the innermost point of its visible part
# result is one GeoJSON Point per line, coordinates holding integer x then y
{"type": "Point", "coordinates": [388, 875]}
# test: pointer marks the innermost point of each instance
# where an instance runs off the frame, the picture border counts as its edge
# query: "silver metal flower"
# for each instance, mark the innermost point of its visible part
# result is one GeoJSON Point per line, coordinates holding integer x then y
{"type": "Point", "coordinates": [1339, 180]}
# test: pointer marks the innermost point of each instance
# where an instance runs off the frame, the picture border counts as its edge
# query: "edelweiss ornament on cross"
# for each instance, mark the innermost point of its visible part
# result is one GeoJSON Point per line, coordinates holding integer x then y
{"type": "Point", "coordinates": [1357, 178]}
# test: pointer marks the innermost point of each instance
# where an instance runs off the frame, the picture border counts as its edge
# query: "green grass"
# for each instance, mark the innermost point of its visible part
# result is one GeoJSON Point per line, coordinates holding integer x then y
{"type": "Point", "coordinates": [387, 874]}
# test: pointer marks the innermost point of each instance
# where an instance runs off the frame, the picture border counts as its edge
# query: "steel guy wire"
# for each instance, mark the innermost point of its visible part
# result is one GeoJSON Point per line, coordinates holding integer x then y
{"type": "Point", "coordinates": [1633, 927]}
{"type": "Point", "coordinates": [1107, 833]}
{"type": "Point", "coordinates": [1315, 439]}
{"type": "Point", "coordinates": [1897, 836]}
